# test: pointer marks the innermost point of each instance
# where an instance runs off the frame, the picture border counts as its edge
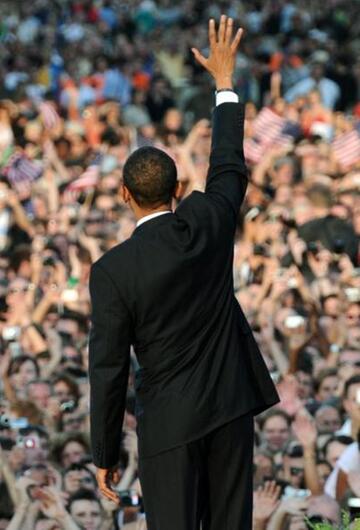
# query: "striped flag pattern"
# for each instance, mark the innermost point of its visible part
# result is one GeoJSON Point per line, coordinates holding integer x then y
{"type": "Point", "coordinates": [87, 180]}
{"type": "Point", "coordinates": [346, 148]}
{"type": "Point", "coordinates": [21, 172]}
{"type": "Point", "coordinates": [268, 132]}
{"type": "Point", "coordinates": [49, 115]}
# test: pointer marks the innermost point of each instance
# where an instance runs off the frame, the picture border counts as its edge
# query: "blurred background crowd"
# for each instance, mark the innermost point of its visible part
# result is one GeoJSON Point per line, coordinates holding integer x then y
{"type": "Point", "coordinates": [82, 84]}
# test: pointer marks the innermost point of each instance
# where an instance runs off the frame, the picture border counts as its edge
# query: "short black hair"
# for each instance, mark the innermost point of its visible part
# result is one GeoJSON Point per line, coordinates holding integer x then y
{"type": "Point", "coordinates": [340, 438]}
{"type": "Point", "coordinates": [273, 412]}
{"type": "Point", "coordinates": [354, 380]}
{"type": "Point", "coordinates": [83, 495]}
{"type": "Point", "coordinates": [150, 175]}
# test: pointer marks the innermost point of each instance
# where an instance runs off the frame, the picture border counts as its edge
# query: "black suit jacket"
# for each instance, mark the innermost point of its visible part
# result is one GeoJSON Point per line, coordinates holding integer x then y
{"type": "Point", "coordinates": [168, 291]}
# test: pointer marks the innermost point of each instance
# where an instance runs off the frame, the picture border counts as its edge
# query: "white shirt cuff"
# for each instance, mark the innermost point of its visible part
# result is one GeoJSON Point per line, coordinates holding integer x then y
{"type": "Point", "coordinates": [226, 97]}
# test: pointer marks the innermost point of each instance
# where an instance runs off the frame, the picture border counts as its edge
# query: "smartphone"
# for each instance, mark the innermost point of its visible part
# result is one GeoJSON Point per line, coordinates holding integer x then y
{"type": "Point", "coordinates": [295, 493]}
{"type": "Point", "coordinates": [294, 321]}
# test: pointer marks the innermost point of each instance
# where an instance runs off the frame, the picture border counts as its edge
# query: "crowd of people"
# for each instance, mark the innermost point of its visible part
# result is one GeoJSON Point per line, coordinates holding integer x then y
{"type": "Point", "coordinates": [82, 84]}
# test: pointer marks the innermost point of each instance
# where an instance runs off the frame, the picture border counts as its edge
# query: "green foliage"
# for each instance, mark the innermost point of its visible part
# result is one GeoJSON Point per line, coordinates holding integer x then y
{"type": "Point", "coordinates": [346, 524]}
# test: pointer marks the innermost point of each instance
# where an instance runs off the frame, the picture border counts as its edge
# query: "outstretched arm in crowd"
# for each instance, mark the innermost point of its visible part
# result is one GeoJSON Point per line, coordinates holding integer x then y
{"type": "Point", "coordinates": [59, 169]}
{"type": "Point", "coordinates": [7, 476]}
{"type": "Point", "coordinates": [8, 388]}
{"type": "Point", "coordinates": [305, 431]}
{"type": "Point", "coordinates": [20, 217]}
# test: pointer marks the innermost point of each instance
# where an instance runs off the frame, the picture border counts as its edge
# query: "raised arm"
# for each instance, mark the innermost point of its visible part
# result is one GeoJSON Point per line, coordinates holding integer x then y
{"type": "Point", "coordinates": [227, 176]}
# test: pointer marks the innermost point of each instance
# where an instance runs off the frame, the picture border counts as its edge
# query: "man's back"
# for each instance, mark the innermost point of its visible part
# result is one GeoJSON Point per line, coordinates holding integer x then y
{"type": "Point", "coordinates": [173, 279]}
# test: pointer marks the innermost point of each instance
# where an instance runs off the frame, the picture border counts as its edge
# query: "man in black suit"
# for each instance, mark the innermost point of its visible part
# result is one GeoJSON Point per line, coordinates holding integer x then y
{"type": "Point", "coordinates": [168, 291]}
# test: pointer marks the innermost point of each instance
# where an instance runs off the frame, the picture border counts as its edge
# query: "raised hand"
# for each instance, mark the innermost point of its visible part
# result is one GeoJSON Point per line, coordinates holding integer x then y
{"type": "Point", "coordinates": [221, 61]}
{"type": "Point", "coordinates": [266, 500]}
{"type": "Point", "coordinates": [305, 429]}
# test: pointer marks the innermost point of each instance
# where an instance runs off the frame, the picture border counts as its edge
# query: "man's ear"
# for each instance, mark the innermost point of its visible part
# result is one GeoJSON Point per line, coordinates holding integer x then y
{"type": "Point", "coordinates": [179, 190]}
{"type": "Point", "coordinates": [125, 193]}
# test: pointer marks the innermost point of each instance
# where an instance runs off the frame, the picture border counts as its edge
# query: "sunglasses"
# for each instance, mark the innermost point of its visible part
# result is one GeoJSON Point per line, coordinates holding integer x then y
{"type": "Point", "coordinates": [316, 519]}
{"type": "Point", "coordinates": [12, 290]}
{"type": "Point", "coordinates": [295, 471]}
{"type": "Point", "coordinates": [350, 363]}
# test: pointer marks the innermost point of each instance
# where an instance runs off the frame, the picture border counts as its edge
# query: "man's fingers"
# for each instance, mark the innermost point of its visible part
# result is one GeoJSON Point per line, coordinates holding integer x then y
{"type": "Point", "coordinates": [222, 27]}
{"type": "Point", "coordinates": [212, 33]}
{"type": "Point", "coordinates": [109, 494]}
{"type": "Point", "coordinates": [228, 31]}
{"type": "Point", "coordinates": [103, 476]}
{"type": "Point", "coordinates": [237, 39]}
{"type": "Point", "coordinates": [200, 58]}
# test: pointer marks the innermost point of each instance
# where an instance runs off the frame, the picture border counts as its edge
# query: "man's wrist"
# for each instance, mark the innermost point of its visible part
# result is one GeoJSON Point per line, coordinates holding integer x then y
{"type": "Point", "coordinates": [224, 83]}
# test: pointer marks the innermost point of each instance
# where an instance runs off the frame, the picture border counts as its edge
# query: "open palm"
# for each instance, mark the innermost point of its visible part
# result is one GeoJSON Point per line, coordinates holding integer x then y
{"type": "Point", "coordinates": [221, 61]}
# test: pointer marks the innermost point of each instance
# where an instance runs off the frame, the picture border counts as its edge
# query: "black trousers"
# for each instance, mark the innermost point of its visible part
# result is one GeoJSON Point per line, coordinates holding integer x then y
{"type": "Point", "coordinates": [205, 484]}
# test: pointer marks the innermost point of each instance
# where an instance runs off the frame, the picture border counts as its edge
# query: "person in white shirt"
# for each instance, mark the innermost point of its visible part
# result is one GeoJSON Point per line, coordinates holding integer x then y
{"type": "Point", "coordinates": [348, 463]}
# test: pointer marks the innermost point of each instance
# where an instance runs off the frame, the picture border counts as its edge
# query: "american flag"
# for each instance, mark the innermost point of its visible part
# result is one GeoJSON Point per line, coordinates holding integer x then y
{"type": "Point", "coordinates": [87, 180]}
{"type": "Point", "coordinates": [49, 115]}
{"type": "Point", "coordinates": [21, 172]}
{"type": "Point", "coordinates": [253, 150]}
{"type": "Point", "coordinates": [346, 148]}
{"type": "Point", "coordinates": [268, 132]}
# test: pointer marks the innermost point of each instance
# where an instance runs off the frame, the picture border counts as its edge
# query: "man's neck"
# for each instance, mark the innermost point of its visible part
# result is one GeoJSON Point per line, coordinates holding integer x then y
{"type": "Point", "coordinates": [144, 212]}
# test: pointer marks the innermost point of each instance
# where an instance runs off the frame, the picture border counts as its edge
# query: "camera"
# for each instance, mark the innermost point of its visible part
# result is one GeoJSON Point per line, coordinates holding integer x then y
{"type": "Point", "coordinates": [68, 406]}
{"type": "Point", "coordinates": [260, 250]}
{"type": "Point", "coordinates": [354, 506]}
{"type": "Point", "coordinates": [49, 261]}
{"type": "Point", "coordinates": [28, 442]}
{"type": "Point", "coordinates": [338, 246]}
{"type": "Point", "coordinates": [312, 247]}
{"type": "Point", "coordinates": [8, 423]}
{"type": "Point", "coordinates": [130, 498]}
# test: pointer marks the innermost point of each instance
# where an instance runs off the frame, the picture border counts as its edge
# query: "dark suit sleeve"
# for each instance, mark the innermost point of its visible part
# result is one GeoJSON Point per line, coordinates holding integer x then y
{"type": "Point", "coordinates": [109, 360]}
{"type": "Point", "coordinates": [227, 177]}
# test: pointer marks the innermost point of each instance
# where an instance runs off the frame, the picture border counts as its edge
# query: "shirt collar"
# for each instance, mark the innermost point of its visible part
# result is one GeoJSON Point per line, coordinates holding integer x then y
{"type": "Point", "coordinates": [151, 216]}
